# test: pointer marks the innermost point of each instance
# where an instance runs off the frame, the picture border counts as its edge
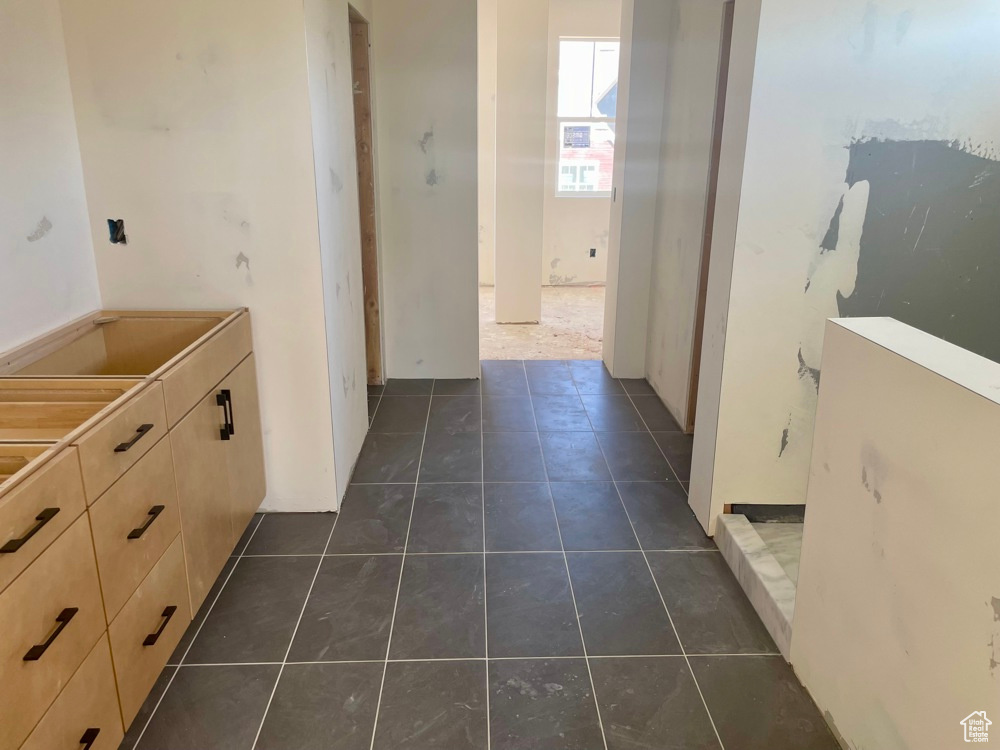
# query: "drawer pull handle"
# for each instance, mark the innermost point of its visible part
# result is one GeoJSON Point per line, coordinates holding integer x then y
{"type": "Point", "coordinates": [89, 738]}
{"type": "Point", "coordinates": [35, 652]}
{"type": "Point", "coordinates": [143, 429]}
{"type": "Point", "coordinates": [152, 638]}
{"type": "Point", "coordinates": [42, 518]}
{"type": "Point", "coordinates": [155, 511]}
{"type": "Point", "coordinates": [225, 399]}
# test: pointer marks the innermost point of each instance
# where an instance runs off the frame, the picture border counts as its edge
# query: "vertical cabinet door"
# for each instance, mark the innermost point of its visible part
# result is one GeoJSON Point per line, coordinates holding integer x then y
{"type": "Point", "coordinates": [245, 448]}
{"type": "Point", "coordinates": [203, 494]}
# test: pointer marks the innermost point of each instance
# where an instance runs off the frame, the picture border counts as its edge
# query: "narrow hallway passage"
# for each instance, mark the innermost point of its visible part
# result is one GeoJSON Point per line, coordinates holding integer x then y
{"type": "Point", "coordinates": [515, 567]}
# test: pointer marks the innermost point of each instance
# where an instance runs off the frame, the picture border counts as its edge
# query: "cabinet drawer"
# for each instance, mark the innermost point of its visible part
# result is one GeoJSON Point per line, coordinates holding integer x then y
{"type": "Point", "coordinates": [117, 443]}
{"type": "Point", "coordinates": [133, 523]}
{"type": "Point", "coordinates": [187, 383]}
{"type": "Point", "coordinates": [87, 709]}
{"type": "Point", "coordinates": [50, 618]}
{"type": "Point", "coordinates": [146, 631]}
{"type": "Point", "coordinates": [37, 511]}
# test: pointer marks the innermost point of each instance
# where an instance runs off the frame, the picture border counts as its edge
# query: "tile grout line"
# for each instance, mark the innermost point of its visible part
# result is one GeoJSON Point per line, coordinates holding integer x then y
{"type": "Point", "coordinates": [569, 578]}
{"type": "Point", "coordinates": [402, 567]}
{"type": "Point", "coordinates": [295, 631]}
{"type": "Point", "coordinates": [180, 663]}
{"type": "Point", "coordinates": [371, 419]}
{"type": "Point", "coordinates": [486, 615]}
{"type": "Point", "coordinates": [489, 552]}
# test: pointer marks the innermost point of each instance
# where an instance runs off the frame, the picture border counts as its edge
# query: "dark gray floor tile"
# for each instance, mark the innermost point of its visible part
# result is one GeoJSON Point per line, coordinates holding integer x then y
{"type": "Point", "coordinates": [655, 414]}
{"type": "Point", "coordinates": [504, 378]}
{"type": "Point", "coordinates": [254, 617]}
{"type": "Point", "coordinates": [556, 381]}
{"type": "Point", "coordinates": [512, 457]}
{"type": "Point", "coordinates": [373, 518]}
{"type": "Point", "coordinates": [709, 609]}
{"type": "Point", "coordinates": [433, 705]}
{"type": "Point", "coordinates": [543, 705]}
{"type": "Point", "coordinates": [573, 456]}
{"type": "Point", "coordinates": [148, 706]}
{"type": "Point", "coordinates": [202, 613]}
{"type": "Point", "coordinates": [408, 387]}
{"type": "Point", "coordinates": [211, 707]}
{"type": "Point", "coordinates": [620, 609]}
{"type": "Point", "coordinates": [248, 533]}
{"type": "Point", "coordinates": [637, 387]}
{"type": "Point", "coordinates": [662, 517]}
{"type": "Point", "coordinates": [454, 414]}
{"type": "Point", "coordinates": [508, 414]}
{"type": "Point", "coordinates": [349, 612]}
{"type": "Point", "coordinates": [634, 457]}
{"type": "Point", "coordinates": [560, 414]}
{"type": "Point", "coordinates": [452, 458]}
{"type": "Point", "coordinates": [612, 414]}
{"type": "Point", "coordinates": [519, 517]}
{"type": "Point", "coordinates": [591, 379]}
{"type": "Point", "coordinates": [372, 406]}
{"type": "Point", "coordinates": [440, 610]}
{"type": "Point", "coordinates": [447, 518]}
{"type": "Point", "coordinates": [322, 707]}
{"type": "Point", "coordinates": [676, 446]}
{"type": "Point", "coordinates": [529, 363]}
{"type": "Point", "coordinates": [375, 390]}
{"type": "Point", "coordinates": [758, 704]}
{"type": "Point", "coordinates": [529, 607]}
{"type": "Point", "coordinates": [457, 387]}
{"type": "Point", "coordinates": [584, 362]}
{"type": "Point", "coordinates": [651, 704]}
{"type": "Point", "coordinates": [292, 534]}
{"type": "Point", "coordinates": [591, 516]}
{"type": "Point", "coordinates": [401, 414]}
{"type": "Point", "coordinates": [388, 458]}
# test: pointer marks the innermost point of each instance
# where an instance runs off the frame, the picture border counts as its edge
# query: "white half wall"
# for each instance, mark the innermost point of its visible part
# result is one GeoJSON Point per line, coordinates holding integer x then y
{"type": "Point", "coordinates": [487, 146]}
{"type": "Point", "coordinates": [49, 276]}
{"type": "Point", "coordinates": [328, 45]}
{"type": "Point", "coordinates": [425, 83]}
{"type": "Point", "coordinates": [195, 128]}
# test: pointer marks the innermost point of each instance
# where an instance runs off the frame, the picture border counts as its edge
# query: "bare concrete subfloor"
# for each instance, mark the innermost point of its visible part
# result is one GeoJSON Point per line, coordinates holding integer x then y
{"type": "Point", "coordinates": [572, 326]}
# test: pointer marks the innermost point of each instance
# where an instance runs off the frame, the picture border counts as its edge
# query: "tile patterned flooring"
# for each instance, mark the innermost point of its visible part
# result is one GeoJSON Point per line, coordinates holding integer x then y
{"type": "Point", "coordinates": [516, 569]}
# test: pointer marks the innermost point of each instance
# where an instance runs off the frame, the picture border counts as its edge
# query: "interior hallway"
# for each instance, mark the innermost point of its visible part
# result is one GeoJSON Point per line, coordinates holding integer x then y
{"type": "Point", "coordinates": [515, 567]}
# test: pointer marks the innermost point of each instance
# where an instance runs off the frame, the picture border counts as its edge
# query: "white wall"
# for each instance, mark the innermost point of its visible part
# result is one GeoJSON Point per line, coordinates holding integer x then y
{"type": "Point", "coordinates": [907, 70]}
{"type": "Point", "coordinates": [487, 131]}
{"type": "Point", "coordinates": [427, 159]}
{"type": "Point", "coordinates": [522, 54]}
{"type": "Point", "coordinates": [693, 49]}
{"type": "Point", "coordinates": [897, 615]}
{"type": "Point", "coordinates": [572, 226]}
{"type": "Point", "coordinates": [328, 45]}
{"type": "Point", "coordinates": [194, 126]}
{"type": "Point", "coordinates": [46, 254]}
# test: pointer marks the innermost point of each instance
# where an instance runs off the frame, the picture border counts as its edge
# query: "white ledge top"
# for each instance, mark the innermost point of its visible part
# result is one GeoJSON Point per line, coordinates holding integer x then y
{"type": "Point", "coordinates": [960, 366]}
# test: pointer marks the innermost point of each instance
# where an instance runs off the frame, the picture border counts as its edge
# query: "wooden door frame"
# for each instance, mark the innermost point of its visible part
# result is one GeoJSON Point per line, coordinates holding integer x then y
{"type": "Point", "coordinates": [367, 204]}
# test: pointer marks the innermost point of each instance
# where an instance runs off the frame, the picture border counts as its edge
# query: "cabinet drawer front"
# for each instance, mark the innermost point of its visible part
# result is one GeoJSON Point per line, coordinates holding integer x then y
{"type": "Point", "coordinates": [134, 522]}
{"type": "Point", "coordinates": [187, 383]}
{"type": "Point", "coordinates": [146, 631]}
{"type": "Point", "coordinates": [51, 614]}
{"type": "Point", "coordinates": [117, 443]}
{"type": "Point", "coordinates": [87, 707]}
{"type": "Point", "coordinates": [37, 511]}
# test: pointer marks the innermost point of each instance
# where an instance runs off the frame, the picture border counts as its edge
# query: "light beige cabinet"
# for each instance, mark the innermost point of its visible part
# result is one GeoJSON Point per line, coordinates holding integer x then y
{"type": "Point", "coordinates": [131, 461]}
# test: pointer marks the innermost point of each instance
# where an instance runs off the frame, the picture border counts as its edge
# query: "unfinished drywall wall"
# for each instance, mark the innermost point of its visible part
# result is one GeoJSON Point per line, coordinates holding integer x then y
{"type": "Point", "coordinates": [49, 276]}
{"type": "Point", "coordinates": [426, 136]}
{"type": "Point", "coordinates": [194, 126]}
{"type": "Point", "coordinates": [693, 48]}
{"type": "Point", "coordinates": [487, 137]}
{"type": "Point", "coordinates": [898, 594]}
{"type": "Point", "coordinates": [328, 45]}
{"type": "Point", "coordinates": [826, 79]}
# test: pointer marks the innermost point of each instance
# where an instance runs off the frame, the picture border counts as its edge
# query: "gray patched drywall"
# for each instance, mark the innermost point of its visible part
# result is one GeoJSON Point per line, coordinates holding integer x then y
{"type": "Point", "coordinates": [930, 246]}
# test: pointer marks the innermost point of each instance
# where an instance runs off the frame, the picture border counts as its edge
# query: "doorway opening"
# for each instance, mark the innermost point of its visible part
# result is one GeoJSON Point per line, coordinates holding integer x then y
{"type": "Point", "coordinates": [364, 142]}
{"type": "Point", "coordinates": [548, 85]}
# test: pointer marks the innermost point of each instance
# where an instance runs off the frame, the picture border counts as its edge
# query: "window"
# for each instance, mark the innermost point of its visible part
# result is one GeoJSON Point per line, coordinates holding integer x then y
{"type": "Point", "coordinates": [587, 100]}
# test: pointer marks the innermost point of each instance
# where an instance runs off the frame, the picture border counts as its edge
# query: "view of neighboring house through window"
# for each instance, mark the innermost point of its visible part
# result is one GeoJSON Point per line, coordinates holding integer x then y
{"type": "Point", "coordinates": [588, 97]}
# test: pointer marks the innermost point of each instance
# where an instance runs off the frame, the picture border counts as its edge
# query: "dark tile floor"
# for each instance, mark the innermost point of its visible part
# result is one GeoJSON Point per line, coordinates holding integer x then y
{"type": "Point", "coordinates": [515, 569]}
